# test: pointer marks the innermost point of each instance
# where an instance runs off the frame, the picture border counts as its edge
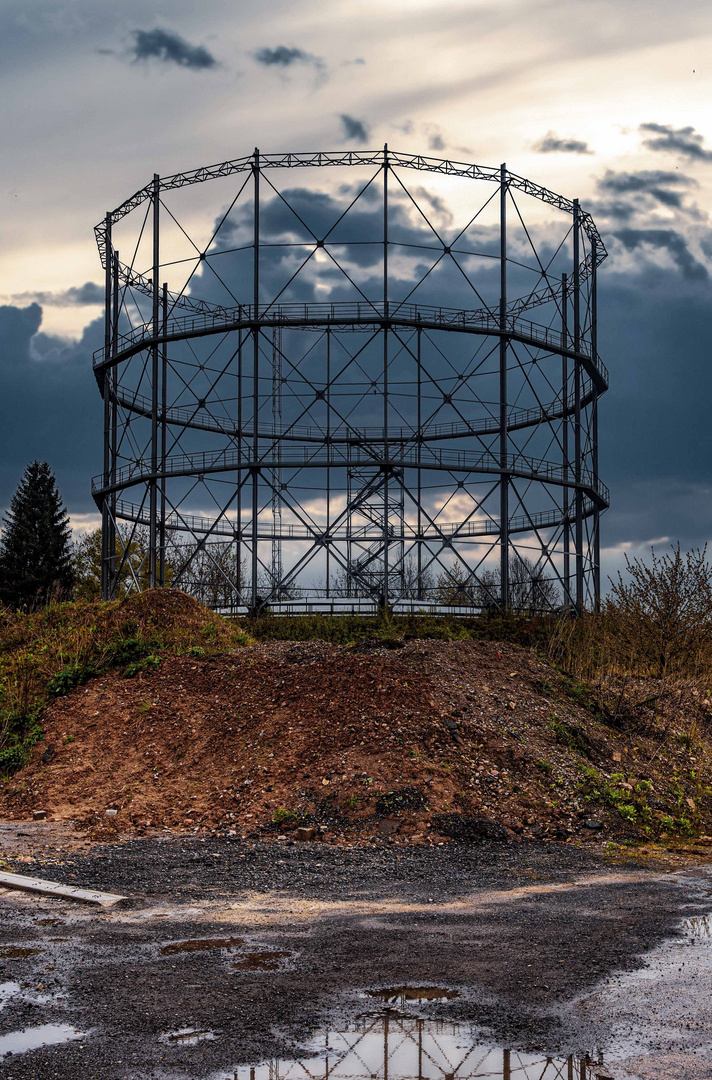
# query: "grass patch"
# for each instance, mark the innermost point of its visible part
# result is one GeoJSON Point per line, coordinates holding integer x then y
{"type": "Point", "coordinates": [570, 736]}
{"type": "Point", "coordinates": [46, 654]}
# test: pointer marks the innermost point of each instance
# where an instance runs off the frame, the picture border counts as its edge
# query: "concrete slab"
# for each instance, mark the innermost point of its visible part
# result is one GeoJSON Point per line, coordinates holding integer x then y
{"type": "Point", "coordinates": [55, 888]}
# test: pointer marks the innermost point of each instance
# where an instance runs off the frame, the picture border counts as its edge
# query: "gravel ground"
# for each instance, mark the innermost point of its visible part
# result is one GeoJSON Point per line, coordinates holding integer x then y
{"type": "Point", "coordinates": [526, 933]}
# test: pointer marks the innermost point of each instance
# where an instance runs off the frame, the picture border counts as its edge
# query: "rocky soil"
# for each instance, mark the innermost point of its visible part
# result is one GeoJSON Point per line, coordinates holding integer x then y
{"type": "Point", "coordinates": [417, 741]}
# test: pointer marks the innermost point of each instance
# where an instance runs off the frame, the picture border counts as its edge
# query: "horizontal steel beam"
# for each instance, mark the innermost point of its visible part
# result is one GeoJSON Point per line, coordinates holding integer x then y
{"type": "Point", "coordinates": [364, 315]}
{"type": "Point", "coordinates": [426, 458]}
{"type": "Point", "coordinates": [455, 530]}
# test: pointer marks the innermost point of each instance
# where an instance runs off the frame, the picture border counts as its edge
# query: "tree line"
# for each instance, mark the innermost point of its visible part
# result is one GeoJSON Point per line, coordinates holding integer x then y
{"type": "Point", "coordinates": [658, 615]}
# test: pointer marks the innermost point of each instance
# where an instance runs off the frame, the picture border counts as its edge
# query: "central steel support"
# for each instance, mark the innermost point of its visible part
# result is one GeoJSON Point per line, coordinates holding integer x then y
{"type": "Point", "coordinates": [386, 445]}
{"type": "Point", "coordinates": [107, 525]}
{"type": "Point", "coordinates": [153, 489]}
{"type": "Point", "coordinates": [565, 494]}
{"type": "Point", "coordinates": [503, 409]}
{"type": "Point", "coordinates": [255, 383]}
{"type": "Point", "coordinates": [580, 599]}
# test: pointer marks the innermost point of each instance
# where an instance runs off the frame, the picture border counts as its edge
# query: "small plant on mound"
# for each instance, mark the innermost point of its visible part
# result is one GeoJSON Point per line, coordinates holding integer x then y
{"type": "Point", "coordinates": [18, 734]}
{"type": "Point", "coordinates": [149, 663]}
{"type": "Point", "coordinates": [69, 677]}
{"type": "Point", "coordinates": [406, 798]}
{"type": "Point", "coordinates": [286, 818]}
{"type": "Point", "coordinates": [570, 736]}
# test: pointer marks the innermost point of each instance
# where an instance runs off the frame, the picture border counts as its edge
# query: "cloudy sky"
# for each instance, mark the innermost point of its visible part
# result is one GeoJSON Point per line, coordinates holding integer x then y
{"type": "Point", "coordinates": [601, 100]}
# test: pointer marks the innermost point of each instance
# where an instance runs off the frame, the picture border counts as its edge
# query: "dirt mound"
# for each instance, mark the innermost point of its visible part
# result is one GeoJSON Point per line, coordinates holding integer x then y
{"type": "Point", "coordinates": [167, 614]}
{"type": "Point", "coordinates": [48, 652]}
{"type": "Point", "coordinates": [461, 739]}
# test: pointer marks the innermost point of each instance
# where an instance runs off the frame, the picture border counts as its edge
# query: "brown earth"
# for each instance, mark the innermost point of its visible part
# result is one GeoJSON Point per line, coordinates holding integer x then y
{"type": "Point", "coordinates": [427, 739]}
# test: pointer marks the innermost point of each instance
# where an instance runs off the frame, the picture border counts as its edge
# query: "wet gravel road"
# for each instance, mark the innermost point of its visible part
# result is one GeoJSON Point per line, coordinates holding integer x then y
{"type": "Point", "coordinates": [291, 936]}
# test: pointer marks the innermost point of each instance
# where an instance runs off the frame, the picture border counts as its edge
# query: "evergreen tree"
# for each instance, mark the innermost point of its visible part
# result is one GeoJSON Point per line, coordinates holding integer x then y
{"type": "Point", "coordinates": [35, 548]}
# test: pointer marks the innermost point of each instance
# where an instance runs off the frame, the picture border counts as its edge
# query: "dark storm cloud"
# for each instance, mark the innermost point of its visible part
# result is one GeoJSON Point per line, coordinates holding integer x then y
{"type": "Point", "coordinates": [77, 295]}
{"type": "Point", "coordinates": [655, 183]}
{"type": "Point", "coordinates": [171, 49]}
{"type": "Point", "coordinates": [684, 141]}
{"type": "Point", "coordinates": [284, 57]}
{"type": "Point", "coordinates": [665, 240]}
{"type": "Point", "coordinates": [353, 130]}
{"type": "Point", "coordinates": [435, 202]}
{"type": "Point", "coordinates": [51, 408]}
{"type": "Point", "coordinates": [553, 144]}
{"type": "Point", "coordinates": [655, 435]}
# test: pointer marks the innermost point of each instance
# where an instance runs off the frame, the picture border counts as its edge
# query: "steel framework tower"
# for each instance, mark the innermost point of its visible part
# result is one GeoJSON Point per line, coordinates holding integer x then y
{"type": "Point", "coordinates": [352, 390]}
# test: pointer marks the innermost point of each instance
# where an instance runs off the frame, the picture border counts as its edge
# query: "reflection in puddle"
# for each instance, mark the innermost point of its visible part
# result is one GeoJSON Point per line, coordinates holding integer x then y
{"type": "Point", "coordinates": [400, 995]}
{"type": "Point", "coordinates": [202, 945]}
{"type": "Point", "coordinates": [18, 1042]}
{"type": "Point", "coordinates": [187, 1036]}
{"type": "Point", "coordinates": [396, 1047]}
{"type": "Point", "coordinates": [16, 952]}
{"type": "Point", "coordinates": [8, 990]}
{"type": "Point", "coordinates": [699, 927]}
{"type": "Point", "coordinates": [260, 961]}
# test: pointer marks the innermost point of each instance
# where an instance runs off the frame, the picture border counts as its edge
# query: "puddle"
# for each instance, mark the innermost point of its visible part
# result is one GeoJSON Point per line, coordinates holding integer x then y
{"type": "Point", "coordinates": [401, 1048]}
{"type": "Point", "coordinates": [16, 952]}
{"type": "Point", "coordinates": [700, 926]}
{"type": "Point", "coordinates": [19, 1042]}
{"type": "Point", "coordinates": [202, 945]}
{"type": "Point", "coordinates": [8, 990]}
{"type": "Point", "coordinates": [260, 961]}
{"type": "Point", "coordinates": [187, 1036]}
{"type": "Point", "coordinates": [400, 995]}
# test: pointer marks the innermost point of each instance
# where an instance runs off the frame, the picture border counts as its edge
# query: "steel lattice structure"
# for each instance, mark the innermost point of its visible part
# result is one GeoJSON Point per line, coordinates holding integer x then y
{"type": "Point", "coordinates": [339, 395]}
{"type": "Point", "coordinates": [397, 1046]}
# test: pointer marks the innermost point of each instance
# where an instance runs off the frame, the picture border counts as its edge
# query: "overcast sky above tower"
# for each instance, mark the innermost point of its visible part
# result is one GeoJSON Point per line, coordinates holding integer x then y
{"type": "Point", "coordinates": [605, 101]}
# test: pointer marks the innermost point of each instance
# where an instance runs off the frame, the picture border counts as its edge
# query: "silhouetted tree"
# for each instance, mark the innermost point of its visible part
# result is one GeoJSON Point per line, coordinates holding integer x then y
{"type": "Point", "coordinates": [35, 548]}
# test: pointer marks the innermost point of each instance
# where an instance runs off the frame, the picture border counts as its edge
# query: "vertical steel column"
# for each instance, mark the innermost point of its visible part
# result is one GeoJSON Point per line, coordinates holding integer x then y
{"type": "Point", "coordinates": [577, 414]}
{"type": "Point", "coordinates": [503, 412]}
{"type": "Point", "coordinates": [565, 436]}
{"type": "Point", "coordinates": [240, 476]}
{"type": "Point", "coordinates": [113, 380]}
{"type": "Point", "coordinates": [106, 524]}
{"type": "Point", "coordinates": [255, 375]}
{"type": "Point", "coordinates": [350, 590]}
{"type": "Point", "coordinates": [164, 437]}
{"type": "Point", "coordinates": [328, 458]}
{"type": "Point", "coordinates": [155, 330]}
{"type": "Point", "coordinates": [420, 1049]}
{"type": "Point", "coordinates": [506, 1065]}
{"type": "Point", "coordinates": [419, 406]}
{"type": "Point", "coordinates": [386, 454]}
{"type": "Point", "coordinates": [594, 430]}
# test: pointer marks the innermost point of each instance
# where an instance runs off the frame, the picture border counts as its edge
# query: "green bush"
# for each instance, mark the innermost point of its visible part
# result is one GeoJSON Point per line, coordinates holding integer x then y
{"type": "Point", "coordinates": [149, 663]}
{"type": "Point", "coordinates": [69, 677]}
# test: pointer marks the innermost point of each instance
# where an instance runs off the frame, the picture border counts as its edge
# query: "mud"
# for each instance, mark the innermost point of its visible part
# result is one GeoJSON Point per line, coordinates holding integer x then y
{"type": "Point", "coordinates": [546, 947]}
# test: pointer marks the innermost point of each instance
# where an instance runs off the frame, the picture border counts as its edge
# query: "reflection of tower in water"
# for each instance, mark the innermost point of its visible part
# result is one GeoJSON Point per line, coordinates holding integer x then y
{"type": "Point", "coordinates": [395, 1047]}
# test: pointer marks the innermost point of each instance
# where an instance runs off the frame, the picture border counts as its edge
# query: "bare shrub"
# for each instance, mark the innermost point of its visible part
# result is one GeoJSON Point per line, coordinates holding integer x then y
{"type": "Point", "coordinates": [661, 615]}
